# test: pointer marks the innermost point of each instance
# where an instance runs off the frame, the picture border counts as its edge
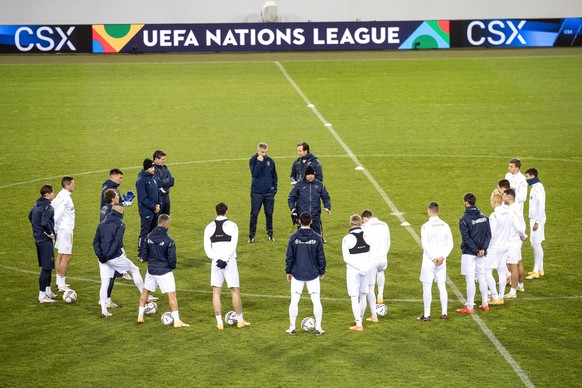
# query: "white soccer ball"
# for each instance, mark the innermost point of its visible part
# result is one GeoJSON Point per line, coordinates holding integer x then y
{"type": "Point", "coordinates": [381, 310]}
{"type": "Point", "coordinates": [308, 324]}
{"type": "Point", "coordinates": [231, 318]}
{"type": "Point", "coordinates": [70, 296]}
{"type": "Point", "coordinates": [150, 308]}
{"type": "Point", "coordinates": [167, 319]}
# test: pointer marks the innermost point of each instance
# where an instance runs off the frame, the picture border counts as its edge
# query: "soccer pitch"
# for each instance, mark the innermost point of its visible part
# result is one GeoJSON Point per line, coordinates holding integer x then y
{"type": "Point", "coordinates": [424, 125]}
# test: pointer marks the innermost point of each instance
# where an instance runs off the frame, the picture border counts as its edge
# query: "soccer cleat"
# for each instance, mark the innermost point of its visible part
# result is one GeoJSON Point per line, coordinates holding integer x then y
{"type": "Point", "coordinates": [444, 317]}
{"type": "Point", "coordinates": [541, 273]}
{"type": "Point", "coordinates": [484, 308]}
{"type": "Point", "coordinates": [220, 326]}
{"type": "Point", "coordinates": [465, 310]}
{"type": "Point", "coordinates": [142, 259]}
{"type": "Point", "coordinates": [510, 296]}
{"type": "Point", "coordinates": [152, 298]}
{"type": "Point", "coordinates": [357, 328]}
{"type": "Point", "coordinates": [323, 240]}
{"type": "Point", "coordinates": [373, 320]}
{"type": "Point", "coordinates": [380, 300]}
{"type": "Point", "coordinates": [64, 289]}
{"type": "Point", "coordinates": [251, 239]}
{"type": "Point", "coordinates": [291, 331]}
{"type": "Point", "coordinates": [319, 332]}
{"type": "Point", "coordinates": [126, 276]}
{"type": "Point", "coordinates": [140, 320]}
{"type": "Point", "coordinates": [533, 275]}
{"type": "Point", "coordinates": [520, 289]}
{"type": "Point", "coordinates": [242, 324]}
{"type": "Point", "coordinates": [46, 299]}
{"type": "Point", "coordinates": [180, 324]}
{"type": "Point", "coordinates": [105, 315]}
{"type": "Point", "coordinates": [498, 302]}
{"type": "Point", "coordinates": [422, 318]}
{"type": "Point", "coordinates": [270, 237]}
{"type": "Point", "coordinates": [52, 295]}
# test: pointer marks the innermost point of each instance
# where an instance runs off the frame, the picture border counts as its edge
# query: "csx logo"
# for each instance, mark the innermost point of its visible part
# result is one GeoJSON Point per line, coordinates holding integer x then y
{"type": "Point", "coordinates": [43, 38]}
{"type": "Point", "coordinates": [495, 32]}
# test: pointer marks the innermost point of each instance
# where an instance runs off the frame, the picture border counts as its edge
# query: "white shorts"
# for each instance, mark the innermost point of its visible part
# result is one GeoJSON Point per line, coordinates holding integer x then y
{"type": "Point", "coordinates": [120, 264]}
{"type": "Point", "coordinates": [313, 286]}
{"type": "Point", "coordinates": [166, 282]}
{"type": "Point", "coordinates": [357, 283]}
{"type": "Point", "coordinates": [430, 272]}
{"type": "Point", "coordinates": [64, 243]}
{"type": "Point", "coordinates": [539, 235]}
{"type": "Point", "coordinates": [495, 257]}
{"type": "Point", "coordinates": [514, 252]}
{"type": "Point", "coordinates": [472, 265]}
{"type": "Point", "coordinates": [229, 274]}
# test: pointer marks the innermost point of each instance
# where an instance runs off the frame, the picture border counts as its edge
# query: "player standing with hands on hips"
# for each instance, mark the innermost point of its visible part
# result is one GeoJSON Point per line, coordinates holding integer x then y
{"type": "Point", "coordinates": [305, 265]}
{"type": "Point", "coordinates": [148, 204]}
{"type": "Point", "coordinates": [263, 190]}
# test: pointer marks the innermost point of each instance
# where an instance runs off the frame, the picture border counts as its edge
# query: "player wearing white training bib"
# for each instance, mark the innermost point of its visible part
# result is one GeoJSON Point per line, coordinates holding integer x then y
{"type": "Point", "coordinates": [220, 241]}
{"type": "Point", "coordinates": [517, 182]}
{"type": "Point", "coordinates": [537, 220]}
{"type": "Point", "coordinates": [356, 254]}
{"type": "Point", "coordinates": [500, 223]}
{"type": "Point", "coordinates": [516, 236]}
{"type": "Point", "coordinates": [437, 244]}
{"type": "Point", "coordinates": [64, 225]}
{"type": "Point", "coordinates": [379, 235]}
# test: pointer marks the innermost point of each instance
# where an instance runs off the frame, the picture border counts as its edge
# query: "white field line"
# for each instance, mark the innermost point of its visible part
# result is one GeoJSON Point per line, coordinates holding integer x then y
{"type": "Point", "coordinates": [522, 375]}
{"type": "Point", "coordinates": [265, 296]}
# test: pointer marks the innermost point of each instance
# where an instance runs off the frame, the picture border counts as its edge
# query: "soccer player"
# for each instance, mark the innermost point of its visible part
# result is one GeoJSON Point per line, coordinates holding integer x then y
{"type": "Point", "coordinates": [263, 190]}
{"type": "Point", "coordinates": [41, 217]}
{"type": "Point", "coordinates": [220, 241]}
{"type": "Point", "coordinates": [437, 244]}
{"type": "Point", "coordinates": [517, 182]}
{"type": "Point", "coordinates": [164, 179]}
{"type": "Point", "coordinates": [108, 246]}
{"type": "Point", "coordinates": [537, 220]}
{"type": "Point", "coordinates": [500, 223]}
{"type": "Point", "coordinates": [161, 255]}
{"type": "Point", "coordinates": [148, 204]}
{"type": "Point", "coordinates": [64, 225]}
{"type": "Point", "coordinates": [305, 265]}
{"type": "Point", "coordinates": [516, 237]}
{"type": "Point", "coordinates": [475, 234]}
{"type": "Point", "coordinates": [356, 254]}
{"type": "Point", "coordinates": [379, 234]}
{"type": "Point", "coordinates": [306, 196]}
{"type": "Point", "coordinates": [305, 159]}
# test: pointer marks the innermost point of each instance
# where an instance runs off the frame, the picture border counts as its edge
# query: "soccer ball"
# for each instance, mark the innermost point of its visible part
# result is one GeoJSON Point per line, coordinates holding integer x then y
{"type": "Point", "coordinates": [231, 318]}
{"type": "Point", "coordinates": [381, 310]}
{"type": "Point", "coordinates": [150, 308]}
{"type": "Point", "coordinates": [308, 324]}
{"type": "Point", "coordinates": [167, 319]}
{"type": "Point", "coordinates": [70, 296]}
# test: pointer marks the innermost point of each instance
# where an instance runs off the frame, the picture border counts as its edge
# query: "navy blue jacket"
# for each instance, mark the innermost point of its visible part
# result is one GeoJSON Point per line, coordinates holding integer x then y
{"type": "Point", "coordinates": [108, 184]}
{"type": "Point", "coordinates": [305, 258]}
{"type": "Point", "coordinates": [305, 197]}
{"type": "Point", "coordinates": [475, 231]}
{"type": "Point", "coordinates": [42, 218]}
{"type": "Point", "coordinates": [264, 175]}
{"type": "Point", "coordinates": [164, 179]}
{"type": "Point", "coordinates": [300, 164]}
{"type": "Point", "coordinates": [108, 240]}
{"type": "Point", "coordinates": [161, 251]}
{"type": "Point", "coordinates": [147, 193]}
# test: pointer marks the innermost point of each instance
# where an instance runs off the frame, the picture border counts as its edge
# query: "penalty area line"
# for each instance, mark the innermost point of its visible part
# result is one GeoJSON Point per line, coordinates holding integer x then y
{"type": "Point", "coordinates": [494, 340]}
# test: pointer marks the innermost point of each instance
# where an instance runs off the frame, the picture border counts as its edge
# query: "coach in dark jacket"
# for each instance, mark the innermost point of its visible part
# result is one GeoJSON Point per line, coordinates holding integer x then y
{"type": "Point", "coordinates": [305, 159]}
{"type": "Point", "coordinates": [306, 196]}
{"type": "Point", "coordinates": [263, 189]}
{"type": "Point", "coordinates": [148, 204]}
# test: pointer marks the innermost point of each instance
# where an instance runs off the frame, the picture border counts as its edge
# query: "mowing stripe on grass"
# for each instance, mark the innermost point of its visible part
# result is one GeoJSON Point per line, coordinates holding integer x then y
{"type": "Point", "coordinates": [522, 375]}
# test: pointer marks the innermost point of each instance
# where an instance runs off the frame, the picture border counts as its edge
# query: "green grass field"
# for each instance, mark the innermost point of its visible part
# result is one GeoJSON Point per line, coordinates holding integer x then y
{"type": "Point", "coordinates": [425, 125]}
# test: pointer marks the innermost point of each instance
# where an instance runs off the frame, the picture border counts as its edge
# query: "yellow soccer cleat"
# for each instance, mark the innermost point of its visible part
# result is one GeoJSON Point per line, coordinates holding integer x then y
{"type": "Point", "coordinates": [373, 320]}
{"type": "Point", "coordinates": [533, 275]}
{"type": "Point", "coordinates": [242, 324]}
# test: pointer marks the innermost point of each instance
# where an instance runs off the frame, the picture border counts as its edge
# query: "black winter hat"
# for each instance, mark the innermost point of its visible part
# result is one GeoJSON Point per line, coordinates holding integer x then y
{"type": "Point", "coordinates": [309, 171]}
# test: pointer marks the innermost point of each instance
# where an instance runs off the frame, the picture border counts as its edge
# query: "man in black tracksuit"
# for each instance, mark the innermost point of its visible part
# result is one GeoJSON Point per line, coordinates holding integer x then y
{"type": "Point", "coordinates": [263, 190]}
{"type": "Point", "coordinates": [148, 204]}
{"type": "Point", "coordinates": [164, 179]}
